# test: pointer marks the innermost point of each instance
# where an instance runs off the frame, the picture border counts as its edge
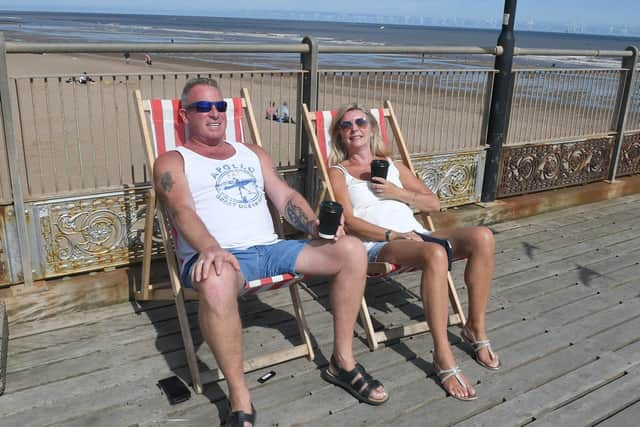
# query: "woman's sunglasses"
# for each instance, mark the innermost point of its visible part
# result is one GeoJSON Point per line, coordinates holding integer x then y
{"type": "Point", "coordinates": [361, 122]}
{"type": "Point", "coordinates": [206, 106]}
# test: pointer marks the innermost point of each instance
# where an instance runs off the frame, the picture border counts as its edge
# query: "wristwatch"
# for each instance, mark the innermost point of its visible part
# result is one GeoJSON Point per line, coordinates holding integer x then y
{"type": "Point", "coordinates": [387, 235]}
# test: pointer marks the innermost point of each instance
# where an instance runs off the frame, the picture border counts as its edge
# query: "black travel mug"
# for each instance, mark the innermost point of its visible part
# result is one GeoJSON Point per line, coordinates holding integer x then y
{"type": "Point", "coordinates": [379, 168]}
{"type": "Point", "coordinates": [330, 213]}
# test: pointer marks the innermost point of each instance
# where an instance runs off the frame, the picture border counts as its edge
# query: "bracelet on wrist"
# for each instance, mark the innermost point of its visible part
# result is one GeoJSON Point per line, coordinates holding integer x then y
{"type": "Point", "coordinates": [387, 235]}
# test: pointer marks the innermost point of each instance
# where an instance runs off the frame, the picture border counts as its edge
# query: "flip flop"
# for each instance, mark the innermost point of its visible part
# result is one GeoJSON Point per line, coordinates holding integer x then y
{"type": "Point", "coordinates": [361, 389]}
{"type": "Point", "coordinates": [479, 345]}
{"type": "Point", "coordinates": [445, 374]}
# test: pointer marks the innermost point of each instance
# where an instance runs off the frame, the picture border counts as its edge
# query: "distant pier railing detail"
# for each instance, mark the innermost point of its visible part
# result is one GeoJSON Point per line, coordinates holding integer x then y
{"type": "Point", "coordinates": [633, 110]}
{"type": "Point", "coordinates": [80, 234]}
{"type": "Point", "coordinates": [552, 104]}
{"type": "Point", "coordinates": [630, 155]}
{"type": "Point", "coordinates": [455, 178]}
{"type": "Point", "coordinates": [440, 111]}
{"type": "Point", "coordinates": [76, 150]}
{"type": "Point", "coordinates": [536, 167]}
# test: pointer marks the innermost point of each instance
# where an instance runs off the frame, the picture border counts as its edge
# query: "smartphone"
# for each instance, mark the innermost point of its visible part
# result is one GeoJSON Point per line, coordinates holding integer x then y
{"type": "Point", "coordinates": [266, 377]}
{"type": "Point", "coordinates": [174, 389]}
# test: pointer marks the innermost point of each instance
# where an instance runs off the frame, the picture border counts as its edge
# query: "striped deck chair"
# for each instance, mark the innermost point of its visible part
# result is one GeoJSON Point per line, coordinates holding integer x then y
{"type": "Point", "coordinates": [162, 130]}
{"type": "Point", "coordinates": [317, 125]}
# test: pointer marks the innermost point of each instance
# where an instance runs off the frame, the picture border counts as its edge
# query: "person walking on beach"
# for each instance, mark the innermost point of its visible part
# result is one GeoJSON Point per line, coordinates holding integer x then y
{"type": "Point", "coordinates": [381, 212]}
{"type": "Point", "coordinates": [221, 234]}
{"type": "Point", "coordinates": [147, 59]}
{"type": "Point", "coordinates": [127, 57]}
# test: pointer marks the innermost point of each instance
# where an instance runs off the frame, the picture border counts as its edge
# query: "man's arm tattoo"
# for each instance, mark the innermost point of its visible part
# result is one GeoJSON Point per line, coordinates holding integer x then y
{"type": "Point", "coordinates": [296, 216]}
{"type": "Point", "coordinates": [166, 182]}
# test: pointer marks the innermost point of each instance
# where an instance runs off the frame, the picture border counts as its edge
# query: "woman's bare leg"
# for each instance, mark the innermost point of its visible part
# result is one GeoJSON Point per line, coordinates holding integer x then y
{"type": "Point", "coordinates": [431, 258]}
{"type": "Point", "coordinates": [477, 245]}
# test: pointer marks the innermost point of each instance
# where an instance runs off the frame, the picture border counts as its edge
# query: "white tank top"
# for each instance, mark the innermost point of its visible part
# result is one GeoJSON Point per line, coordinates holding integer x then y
{"type": "Point", "coordinates": [390, 214]}
{"type": "Point", "coordinates": [229, 198]}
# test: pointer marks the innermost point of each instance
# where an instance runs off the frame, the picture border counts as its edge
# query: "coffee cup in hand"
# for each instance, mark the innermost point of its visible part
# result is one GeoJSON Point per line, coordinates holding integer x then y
{"type": "Point", "coordinates": [379, 168]}
{"type": "Point", "coordinates": [330, 214]}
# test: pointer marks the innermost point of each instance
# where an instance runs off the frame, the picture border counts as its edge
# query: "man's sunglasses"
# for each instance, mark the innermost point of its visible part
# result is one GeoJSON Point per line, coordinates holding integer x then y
{"type": "Point", "coordinates": [206, 106]}
{"type": "Point", "coordinates": [361, 122]}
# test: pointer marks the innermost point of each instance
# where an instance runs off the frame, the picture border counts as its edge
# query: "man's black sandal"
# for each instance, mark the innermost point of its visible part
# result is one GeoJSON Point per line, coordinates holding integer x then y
{"type": "Point", "coordinates": [361, 389]}
{"type": "Point", "coordinates": [238, 418]}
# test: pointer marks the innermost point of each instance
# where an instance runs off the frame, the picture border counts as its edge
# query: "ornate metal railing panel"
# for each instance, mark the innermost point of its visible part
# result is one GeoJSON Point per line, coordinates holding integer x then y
{"type": "Point", "coordinates": [88, 233]}
{"type": "Point", "coordinates": [629, 162]}
{"type": "Point", "coordinates": [530, 168]}
{"type": "Point", "coordinates": [455, 178]}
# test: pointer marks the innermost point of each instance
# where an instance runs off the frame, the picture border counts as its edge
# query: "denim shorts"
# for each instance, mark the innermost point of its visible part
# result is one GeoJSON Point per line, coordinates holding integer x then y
{"type": "Point", "coordinates": [258, 261]}
{"type": "Point", "coordinates": [374, 251]}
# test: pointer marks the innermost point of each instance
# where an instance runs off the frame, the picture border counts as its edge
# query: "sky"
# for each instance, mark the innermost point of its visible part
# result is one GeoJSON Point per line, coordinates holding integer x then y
{"type": "Point", "coordinates": [572, 15]}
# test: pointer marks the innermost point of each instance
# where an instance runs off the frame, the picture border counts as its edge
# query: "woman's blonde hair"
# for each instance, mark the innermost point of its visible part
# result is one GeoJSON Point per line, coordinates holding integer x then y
{"type": "Point", "coordinates": [339, 150]}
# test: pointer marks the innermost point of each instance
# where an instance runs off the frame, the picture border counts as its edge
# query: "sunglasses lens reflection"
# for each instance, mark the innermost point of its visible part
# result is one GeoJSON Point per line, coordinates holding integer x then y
{"type": "Point", "coordinates": [360, 122]}
{"type": "Point", "coordinates": [206, 106]}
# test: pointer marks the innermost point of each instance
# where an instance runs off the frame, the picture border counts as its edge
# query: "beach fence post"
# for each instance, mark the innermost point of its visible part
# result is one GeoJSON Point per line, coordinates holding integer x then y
{"type": "Point", "coordinates": [15, 174]}
{"type": "Point", "coordinates": [500, 103]}
{"type": "Point", "coordinates": [308, 94]}
{"type": "Point", "coordinates": [625, 86]}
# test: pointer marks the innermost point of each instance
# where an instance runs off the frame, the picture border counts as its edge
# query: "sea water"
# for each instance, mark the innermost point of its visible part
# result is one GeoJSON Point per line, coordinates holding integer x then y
{"type": "Point", "coordinates": [123, 28]}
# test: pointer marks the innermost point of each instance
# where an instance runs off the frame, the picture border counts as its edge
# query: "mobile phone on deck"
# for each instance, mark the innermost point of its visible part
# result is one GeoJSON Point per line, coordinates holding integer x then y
{"type": "Point", "coordinates": [174, 389]}
{"type": "Point", "coordinates": [266, 377]}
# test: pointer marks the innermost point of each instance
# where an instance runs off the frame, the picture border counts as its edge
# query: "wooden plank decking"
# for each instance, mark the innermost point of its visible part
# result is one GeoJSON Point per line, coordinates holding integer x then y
{"type": "Point", "coordinates": [564, 315]}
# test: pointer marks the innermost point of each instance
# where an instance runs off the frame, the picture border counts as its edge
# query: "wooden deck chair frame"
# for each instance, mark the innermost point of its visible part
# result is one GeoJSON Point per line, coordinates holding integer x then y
{"type": "Point", "coordinates": [173, 290]}
{"type": "Point", "coordinates": [375, 269]}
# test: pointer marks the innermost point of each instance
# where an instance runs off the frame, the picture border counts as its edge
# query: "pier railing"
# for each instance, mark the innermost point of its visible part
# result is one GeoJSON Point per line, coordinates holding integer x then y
{"type": "Point", "coordinates": [550, 104]}
{"type": "Point", "coordinates": [73, 180]}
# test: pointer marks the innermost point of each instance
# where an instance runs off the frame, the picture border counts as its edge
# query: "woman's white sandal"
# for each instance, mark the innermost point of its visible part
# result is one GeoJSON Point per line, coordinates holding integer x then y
{"type": "Point", "coordinates": [445, 374]}
{"type": "Point", "coordinates": [479, 345]}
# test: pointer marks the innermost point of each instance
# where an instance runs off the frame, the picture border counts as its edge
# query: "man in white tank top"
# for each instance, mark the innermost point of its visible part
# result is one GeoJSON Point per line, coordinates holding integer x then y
{"type": "Point", "coordinates": [215, 192]}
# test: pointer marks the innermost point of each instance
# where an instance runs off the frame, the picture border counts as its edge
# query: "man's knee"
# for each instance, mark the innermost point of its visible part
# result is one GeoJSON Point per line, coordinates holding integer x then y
{"type": "Point", "coordinates": [350, 250]}
{"type": "Point", "coordinates": [219, 291]}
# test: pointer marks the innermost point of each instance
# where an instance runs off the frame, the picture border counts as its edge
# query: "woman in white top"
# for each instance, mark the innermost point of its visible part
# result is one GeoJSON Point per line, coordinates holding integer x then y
{"type": "Point", "coordinates": [380, 212]}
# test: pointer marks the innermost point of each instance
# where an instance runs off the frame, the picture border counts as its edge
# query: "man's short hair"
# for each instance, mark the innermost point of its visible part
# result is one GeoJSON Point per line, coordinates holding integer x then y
{"type": "Point", "coordinates": [195, 82]}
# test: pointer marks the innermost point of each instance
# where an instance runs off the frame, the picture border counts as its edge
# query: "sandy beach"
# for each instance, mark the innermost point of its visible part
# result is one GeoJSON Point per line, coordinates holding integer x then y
{"type": "Point", "coordinates": [53, 64]}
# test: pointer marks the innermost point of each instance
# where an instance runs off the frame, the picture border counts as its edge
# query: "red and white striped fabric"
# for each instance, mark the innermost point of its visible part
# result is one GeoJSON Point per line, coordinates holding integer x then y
{"type": "Point", "coordinates": [274, 282]}
{"type": "Point", "coordinates": [168, 132]}
{"type": "Point", "coordinates": [323, 123]}
{"type": "Point", "coordinates": [168, 129]}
